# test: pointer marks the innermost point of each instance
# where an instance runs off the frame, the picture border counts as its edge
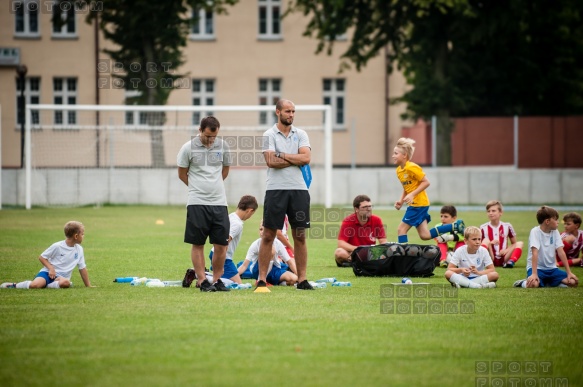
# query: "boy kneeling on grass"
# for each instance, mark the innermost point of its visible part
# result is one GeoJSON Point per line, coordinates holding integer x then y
{"type": "Point", "coordinates": [59, 260]}
{"type": "Point", "coordinates": [471, 265]}
{"type": "Point", "coordinates": [543, 243]}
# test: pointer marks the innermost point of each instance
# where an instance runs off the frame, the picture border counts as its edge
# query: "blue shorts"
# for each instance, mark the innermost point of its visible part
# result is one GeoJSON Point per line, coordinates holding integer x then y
{"type": "Point", "coordinates": [247, 273]}
{"type": "Point", "coordinates": [414, 216]}
{"type": "Point", "coordinates": [230, 268]}
{"type": "Point", "coordinates": [550, 277]}
{"type": "Point", "coordinates": [45, 275]}
{"type": "Point", "coordinates": [273, 276]}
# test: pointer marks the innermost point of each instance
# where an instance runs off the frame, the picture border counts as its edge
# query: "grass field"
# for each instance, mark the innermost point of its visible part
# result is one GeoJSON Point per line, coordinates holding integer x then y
{"type": "Point", "coordinates": [117, 334]}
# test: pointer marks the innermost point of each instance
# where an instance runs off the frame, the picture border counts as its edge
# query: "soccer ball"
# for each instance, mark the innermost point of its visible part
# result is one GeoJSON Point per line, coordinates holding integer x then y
{"type": "Point", "coordinates": [430, 252]}
{"type": "Point", "coordinates": [395, 250]}
{"type": "Point", "coordinates": [413, 251]}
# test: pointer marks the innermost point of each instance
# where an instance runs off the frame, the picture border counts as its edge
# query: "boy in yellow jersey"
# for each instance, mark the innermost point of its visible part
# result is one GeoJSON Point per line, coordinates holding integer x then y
{"type": "Point", "coordinates": [414, 184]}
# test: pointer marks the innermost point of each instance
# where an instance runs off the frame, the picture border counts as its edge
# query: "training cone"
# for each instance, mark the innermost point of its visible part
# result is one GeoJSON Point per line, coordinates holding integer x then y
{"type": "Point", "coordinates": [262, 289]}
{"type": "Point", "coordinates": [159, 221]}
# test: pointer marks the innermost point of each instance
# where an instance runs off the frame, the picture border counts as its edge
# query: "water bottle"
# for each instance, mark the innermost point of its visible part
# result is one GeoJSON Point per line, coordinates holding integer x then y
{"type": "Point", "coordinates": [327, 280]}
{"type": "Point", "coordinates": [406, 281]}
{"type": "Point", "coordinates": [172, 283]}
{"type": "Point", "coordinates": [124, 279]}
{"type": "Point", "coordinates": [155, 284]}
{"type": "Point", "coordinates": [139, 281]}
{"type": "Point", "coordinates": [339, 283]}
{"type": "Point", "coordinates": [318, 285]}
{"type": "Point", "coordinates": [236, 286]}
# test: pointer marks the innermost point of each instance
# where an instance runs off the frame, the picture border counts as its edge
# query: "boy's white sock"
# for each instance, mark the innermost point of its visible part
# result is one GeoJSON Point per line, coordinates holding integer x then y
{"type": "Point", "coordinates": [463, 281]}
{"type": "Point", "coordinates": [53, 285]}
{"type": "Point", "coordinates": [23, 285]}
{"type": "Point", "coordinates": [563, 285]}
{"type": "Point", "coordinates": [483, 279]}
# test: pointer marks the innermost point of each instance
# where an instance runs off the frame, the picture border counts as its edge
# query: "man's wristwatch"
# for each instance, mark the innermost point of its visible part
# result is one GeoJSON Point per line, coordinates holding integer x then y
{"type": "Point", "coordinates": [277, 154]}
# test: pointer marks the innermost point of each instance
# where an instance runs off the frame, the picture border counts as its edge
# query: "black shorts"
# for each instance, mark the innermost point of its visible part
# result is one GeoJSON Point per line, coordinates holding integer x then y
{"type": "Point", "coordinates": [294, 203]}
{"type": "Point", "coordinates": [207, 221]}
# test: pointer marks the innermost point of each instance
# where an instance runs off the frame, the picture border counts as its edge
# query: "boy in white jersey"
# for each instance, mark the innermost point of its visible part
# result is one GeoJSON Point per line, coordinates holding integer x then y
{"type": "Point", "coordinates": [572, 239]}
{"type": "Point", "coordinates": [543, 243]}
{"type": "Point", "coordinates": [471, 265]}
{"type": "Point", "coordinates": [277, 272]}
{"type": "Point", "coordinates": [58, 262]}
{"type": "Point", "coordinates": [496, 235]}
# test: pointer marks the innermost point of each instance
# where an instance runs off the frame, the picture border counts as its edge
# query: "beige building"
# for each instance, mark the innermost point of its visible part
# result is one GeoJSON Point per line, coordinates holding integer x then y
{"type": "Point", "coordinates": [248, 57]}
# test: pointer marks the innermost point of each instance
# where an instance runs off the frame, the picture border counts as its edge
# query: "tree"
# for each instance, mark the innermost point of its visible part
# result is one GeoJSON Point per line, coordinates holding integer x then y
{"type": "Point", "coordinates": [149, 36]}
{"type": "Point", "coordinates": [464, 57]}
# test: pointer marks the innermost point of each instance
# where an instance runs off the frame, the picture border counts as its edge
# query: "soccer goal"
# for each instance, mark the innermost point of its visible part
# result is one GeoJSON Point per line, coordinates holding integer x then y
{"type": "Point", "coordinates": [88, 154]}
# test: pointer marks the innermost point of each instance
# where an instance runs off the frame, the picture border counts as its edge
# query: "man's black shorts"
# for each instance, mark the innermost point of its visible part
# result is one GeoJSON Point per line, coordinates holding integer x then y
{"type": "Point", "coordinates": [294, 203]}
{"type": "Point", "coordinates": [207, 221]}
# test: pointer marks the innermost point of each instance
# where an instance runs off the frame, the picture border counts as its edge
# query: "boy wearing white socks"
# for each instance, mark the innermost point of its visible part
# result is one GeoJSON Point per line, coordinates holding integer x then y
{"type": "Point", "coordinates": [58, 262]}
{"type": "Point", "coordinates": [543, 243]}
{"type": "Point", "coordinates": [471, 265]}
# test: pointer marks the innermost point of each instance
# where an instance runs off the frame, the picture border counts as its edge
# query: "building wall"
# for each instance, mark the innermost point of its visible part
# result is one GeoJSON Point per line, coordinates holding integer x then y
{"type": "Point", "coordinates": [236, 59]}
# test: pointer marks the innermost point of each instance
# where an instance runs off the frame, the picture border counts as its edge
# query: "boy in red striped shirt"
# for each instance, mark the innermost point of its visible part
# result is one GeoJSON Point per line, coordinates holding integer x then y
{"type": "Point", "coordinates": [496, 234]}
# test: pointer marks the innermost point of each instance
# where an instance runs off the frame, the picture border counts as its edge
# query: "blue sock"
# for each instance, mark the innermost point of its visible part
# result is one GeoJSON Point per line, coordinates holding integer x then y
{"type": "Point", "coordinates": [402, 239]}
{"type": "Point", "coordinates": [444, 228]}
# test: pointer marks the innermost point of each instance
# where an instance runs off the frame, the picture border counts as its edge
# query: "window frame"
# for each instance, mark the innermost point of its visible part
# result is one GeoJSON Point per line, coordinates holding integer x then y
{"type": "Point", "coordinates": [335, 95]}
{"type": "Point", "coordinates": [64, 32]}
{"type": "Point", "coordinates": [271, 24]}
{"type": "Point", "coordinates": [269, 96]}
{"type": "Point", "coordinates": [65, 94]}
{"type": "Point", "coordinates": [29, 95]}
{"type": "Point", "coordinates": [27, 14]}
{"type": "Point", "coordinates": [204, 96]}
{"type": "Point", "coordinates": [202, 23]}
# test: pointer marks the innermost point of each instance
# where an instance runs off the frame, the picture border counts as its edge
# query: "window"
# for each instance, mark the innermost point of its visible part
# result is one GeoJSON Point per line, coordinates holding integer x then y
{"type": "Point", "coordinates": [64, 19]}
{"type": "Point", "coordinates": [334, 94]}
{"type": "Point", "coordinates": [269, 94]}
{"type": "Point", "coordinates": [203, 25]}
{"type": "Point", "coordinates": [31, 97]}
{"type": "Point", "coordinates": [132, 117]}
{"type": "Point", "coordinates": [65, 93]}
{"type": "Point", "coordinates": [269, 19]}
{"type": "Point", "coordinates": [26, 18]}
{"type": "Point", "coordinates": [203, 94]}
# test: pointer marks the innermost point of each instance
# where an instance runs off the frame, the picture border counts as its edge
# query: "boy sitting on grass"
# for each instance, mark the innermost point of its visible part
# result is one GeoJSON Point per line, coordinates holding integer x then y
{"type": "Point", "coordinates": [448, 242]}
{"type": "Point", "coordinates": [471, 265]}
{"type": "Point", "coordinates": [543, 243]}
{"type": "Point", "coordinates": [572, 239]}
{"type": "Point", "coordinates": [277, 272]}
{"type": "Point", "coordinates": [58, 262]}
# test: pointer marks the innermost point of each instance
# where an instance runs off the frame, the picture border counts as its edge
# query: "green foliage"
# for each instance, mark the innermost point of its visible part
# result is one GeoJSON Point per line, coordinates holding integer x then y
{"type": "Point", "coordinates": [117, 334]}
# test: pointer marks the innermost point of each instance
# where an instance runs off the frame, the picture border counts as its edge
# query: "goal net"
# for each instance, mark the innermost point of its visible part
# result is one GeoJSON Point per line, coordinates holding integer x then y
{"type": "Point", "coordinates": [61, 141]}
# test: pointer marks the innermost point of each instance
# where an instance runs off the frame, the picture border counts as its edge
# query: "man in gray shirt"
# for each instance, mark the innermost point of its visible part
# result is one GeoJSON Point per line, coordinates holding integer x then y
{"type": "Point", "coordinates": [203, 164]}
{"type": "Point", "coordinates": [286, 148]}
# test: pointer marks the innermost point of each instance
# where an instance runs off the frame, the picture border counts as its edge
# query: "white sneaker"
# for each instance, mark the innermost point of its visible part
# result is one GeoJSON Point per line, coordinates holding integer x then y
{"type": "Point", "coordinates": [489, 285]}
{"type": "Point", "coordinates": [6, 285]}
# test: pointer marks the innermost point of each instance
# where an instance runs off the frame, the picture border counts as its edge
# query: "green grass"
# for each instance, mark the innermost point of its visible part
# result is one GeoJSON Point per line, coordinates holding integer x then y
{"type": "Point", "coordinates": [117, 334]}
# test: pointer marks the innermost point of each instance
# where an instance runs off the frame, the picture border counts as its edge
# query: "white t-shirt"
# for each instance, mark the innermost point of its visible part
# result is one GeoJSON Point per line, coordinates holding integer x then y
{"type": "Point", "coordinates": [235, 232]}
{"type": "Point", "coordinates": [64, 258]}
{"type": "Point", "coordinates": [280, 252]}
{"type": "Point", "coordinates": [547, 245]}
{"type": "Point", "coordinates": [462, 259]}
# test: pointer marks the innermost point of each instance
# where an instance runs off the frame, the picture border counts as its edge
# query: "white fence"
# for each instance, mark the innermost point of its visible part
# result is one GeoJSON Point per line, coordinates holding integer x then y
{"type": "Point", "coordinates": [458, 186]}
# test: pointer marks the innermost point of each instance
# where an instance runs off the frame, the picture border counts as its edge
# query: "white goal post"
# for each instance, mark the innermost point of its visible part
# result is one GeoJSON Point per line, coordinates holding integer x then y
{"type": "Point", "coordinates": [48, 127]}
